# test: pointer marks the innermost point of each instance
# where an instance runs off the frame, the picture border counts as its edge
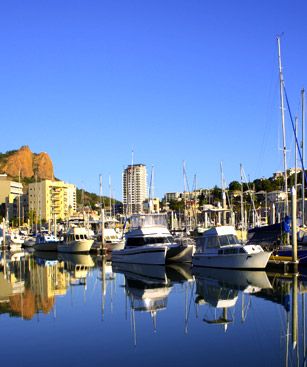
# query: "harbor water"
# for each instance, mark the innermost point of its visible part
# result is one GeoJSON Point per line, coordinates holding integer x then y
{"type": "Point", "coordinates": [82, 310]}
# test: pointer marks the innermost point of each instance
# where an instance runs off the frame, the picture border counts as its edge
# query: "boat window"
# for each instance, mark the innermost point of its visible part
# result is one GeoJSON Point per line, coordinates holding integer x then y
{"type": "Point", "coordinates": [141, 241]}
{"type": "Point", "coordinates": [212, 242]}
{"type": "Point", "coordinates": [233, 240]}
{"type": "Point", "coordinates": [229, 239]}
{"type": "Point", "coordinates": [137, 241]}
{"type": "Point", "coordinates": [223, 240]}
{"type": "Point", "coordinates": [81, 236]}
{"type": "Point", "coordinates": [85, 236]}
{"type": "Point", "coordinates": [77, 236]}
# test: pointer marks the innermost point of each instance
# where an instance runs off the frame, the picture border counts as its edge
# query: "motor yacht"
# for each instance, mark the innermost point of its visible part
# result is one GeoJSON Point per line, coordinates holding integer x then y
{"type": "Point", "coordinates": [219, 247]}
{"type": "Point", "coordinates": [113, 240]}
{"type": "Point", "coordinates": [149, 242]}
{"type": "Point", "coordinates": [76, 240]}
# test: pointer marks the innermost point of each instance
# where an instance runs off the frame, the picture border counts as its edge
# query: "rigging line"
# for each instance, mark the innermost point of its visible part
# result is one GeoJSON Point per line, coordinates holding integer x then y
{"type": "Point", "coordinates": [293, 128]}
{"type": "Point", "coordinates": [273, 89]}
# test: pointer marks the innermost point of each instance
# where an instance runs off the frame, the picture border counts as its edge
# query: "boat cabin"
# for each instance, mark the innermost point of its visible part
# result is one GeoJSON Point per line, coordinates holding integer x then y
{"type": "Point", "coordinates": [223, 239]}
{"type": "Point", "coordinates": [76, 234]}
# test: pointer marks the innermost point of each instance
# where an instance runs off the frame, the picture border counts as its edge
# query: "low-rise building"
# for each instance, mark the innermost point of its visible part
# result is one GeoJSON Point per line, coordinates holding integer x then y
{"type": "Point", "coordinates": [49, 199]}
{"type": "Point", "coordinates": [9, 192]}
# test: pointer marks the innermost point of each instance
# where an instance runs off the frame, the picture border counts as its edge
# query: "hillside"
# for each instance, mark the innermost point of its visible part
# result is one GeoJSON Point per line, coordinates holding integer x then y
{"type": "Point", "coordinates": [27, 163]}
{"type": "Point", "coordinates": [30, 164]}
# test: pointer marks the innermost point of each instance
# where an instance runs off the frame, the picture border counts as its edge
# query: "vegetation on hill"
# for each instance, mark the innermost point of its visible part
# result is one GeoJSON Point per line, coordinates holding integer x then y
{"type": "Point", "coordinates": [92, 200]}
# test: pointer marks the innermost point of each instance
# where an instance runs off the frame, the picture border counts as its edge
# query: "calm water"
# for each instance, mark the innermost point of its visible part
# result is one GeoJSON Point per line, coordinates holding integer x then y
{"type": "Point", "coordinates": [79, 310]}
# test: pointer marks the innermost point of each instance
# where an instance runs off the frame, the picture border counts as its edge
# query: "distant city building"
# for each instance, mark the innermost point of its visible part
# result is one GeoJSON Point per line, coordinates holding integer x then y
{"type": "Point", "coordinates": [10, 191]}
{"type": "Point", "coordinates": [275, 196]}
{"type": "Point", "coordinates": [277, 175]}
{"type": "Point", "coordinates": [134, 188]}
{"type": "Point", "coordinates": [171, 196]}
{"type": "Point", "coordinates": [152, 205]}
{"type": "Point", "coordinates": [49, 199]}
{"type": "Point", "coordinates": [290, 172]}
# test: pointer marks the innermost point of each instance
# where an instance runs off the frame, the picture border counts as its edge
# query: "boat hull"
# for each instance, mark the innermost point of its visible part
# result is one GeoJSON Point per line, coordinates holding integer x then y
{"type": "Point", "coordinates": [48, 246]}
{"type": "Point", "coordinates": [180, 254]}
{"type": "Point", "coordinates": [233, 261]}
{"type": "Point", "coordinates": [155, 255]}
{"type": "Point", "coordinates": [75, 246]}
{"type": "Point", "coordinates": [109, 246]}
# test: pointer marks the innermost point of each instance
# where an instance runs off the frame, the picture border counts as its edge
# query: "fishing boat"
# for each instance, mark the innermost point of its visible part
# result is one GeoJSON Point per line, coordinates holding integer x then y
{"type": "Point", "coordinates": [219, 247]}
{"type": "Point", "coordinates": [76, 240]}
{"type": "Point", "coordinates": [149, 242]}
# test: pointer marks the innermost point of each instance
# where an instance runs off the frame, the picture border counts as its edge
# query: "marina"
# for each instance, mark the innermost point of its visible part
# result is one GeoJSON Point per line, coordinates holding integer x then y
{"type": "Point", "coordinates": [142, 308]}
{"type": "Point", "coordinates": [153, 183]}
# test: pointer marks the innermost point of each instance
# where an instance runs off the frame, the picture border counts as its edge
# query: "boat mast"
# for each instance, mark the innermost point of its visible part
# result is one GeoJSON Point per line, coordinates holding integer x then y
{"type": "Point", "coordinates": [223, 194]}
{"type": "Point", "coordinates": [110, 194]}
{"type": "Point", "coordinates": [131, 183]}
{"type": "Point", "coordinates": [151, 190]}
{"type": "Point", "coordinates": [101, 213]}
{"type": "Point", "coordinates": [242, 206]}
{"type": "Point", "coordinates": [281, 89]}
{"type": "Point", "coordinates": [303, 156]}
{"type": "Point", "coordinates": [295, 153]}
{"type": "Point", "coordinates": [184, 196]}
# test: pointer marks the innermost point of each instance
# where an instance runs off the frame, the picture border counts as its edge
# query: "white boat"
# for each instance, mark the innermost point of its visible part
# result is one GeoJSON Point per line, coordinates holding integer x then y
{"type": "Point", "coordinates": [113, 240]}
{"type": "Point", "coordinates": [76, 240]}
{"type": "Point", "coordinates": [150, 242]}
{"type": "Point", "coordinates": [46, 242]}
{"type": "Point", "coordinates": [14, 241]}
{"type": "Point", "coordinates": [219, 247]}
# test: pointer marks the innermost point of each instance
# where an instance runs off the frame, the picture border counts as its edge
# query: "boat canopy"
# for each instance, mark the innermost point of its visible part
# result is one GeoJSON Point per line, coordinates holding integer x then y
{"type": "Point", "coordinates": [148, 220]}
{"type": "Point", "coordinates": [219, 231]}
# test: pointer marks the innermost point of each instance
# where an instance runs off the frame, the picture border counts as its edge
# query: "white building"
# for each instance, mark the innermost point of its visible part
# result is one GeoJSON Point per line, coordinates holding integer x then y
{"type": "Point", "coordinates": [134, 188]}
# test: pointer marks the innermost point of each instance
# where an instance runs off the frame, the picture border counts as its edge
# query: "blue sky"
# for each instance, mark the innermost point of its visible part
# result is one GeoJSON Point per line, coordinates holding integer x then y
{"type": "Point", "coordinates": [88, 81]}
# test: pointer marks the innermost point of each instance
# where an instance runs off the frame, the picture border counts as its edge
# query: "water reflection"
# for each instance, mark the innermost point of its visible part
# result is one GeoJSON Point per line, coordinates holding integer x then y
{"type": "Point", "coordinates": [219, 289]}
{"type": "Point", "coordinates": [189, 305]}
{"type": "Point", "coordinates": [30, 284]}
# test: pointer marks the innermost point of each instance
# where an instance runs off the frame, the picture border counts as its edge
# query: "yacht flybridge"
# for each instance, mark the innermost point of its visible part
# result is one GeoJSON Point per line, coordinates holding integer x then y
{"type": "Point", "coordinates": [150, 242]}
{"type": "Point", "coordinates": [219, 247]}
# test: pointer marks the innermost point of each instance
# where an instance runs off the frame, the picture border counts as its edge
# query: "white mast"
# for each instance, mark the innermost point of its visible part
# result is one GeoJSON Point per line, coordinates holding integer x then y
{"type": "Point", "coordinates": [281, 88]}
{"type": "Point", "coordinates": [242, 206]}
{"type": "Point", "coordinates": [151, 190]}
{"type": "Point", "coordinates": [303, 156]}
{"type": "Point", "coordinates": [295, 155]}
{"type": "Point", "coordinates": [101, 212]}
{"type": "Point", "coordinates": [223, 194]}
{"type": "Point", "coordinates": [110, 194]}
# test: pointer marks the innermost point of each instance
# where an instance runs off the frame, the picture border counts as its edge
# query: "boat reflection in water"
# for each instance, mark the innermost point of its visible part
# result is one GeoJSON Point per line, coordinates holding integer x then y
{"type": "Point", "coordinates": [219, 289]}
{"type": "Point", "coordinates": [149, 286]}
{"type": "Point", "coordinates": [78, 266]}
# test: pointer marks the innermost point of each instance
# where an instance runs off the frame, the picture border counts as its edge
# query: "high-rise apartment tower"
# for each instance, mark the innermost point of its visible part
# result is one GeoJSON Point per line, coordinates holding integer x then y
{"type": "Point", "coordinates": [134, 188]}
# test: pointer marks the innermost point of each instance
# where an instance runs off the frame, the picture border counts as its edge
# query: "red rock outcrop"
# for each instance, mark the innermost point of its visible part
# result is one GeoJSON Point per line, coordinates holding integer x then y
{"type": "Point", "coordinates": [28, 164]}
{"type": "Point", "coordinates": [44, 166]}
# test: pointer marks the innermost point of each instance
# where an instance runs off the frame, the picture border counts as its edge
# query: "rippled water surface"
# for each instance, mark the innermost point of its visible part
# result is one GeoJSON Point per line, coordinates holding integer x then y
{"type": "Point", "coordinates": [80, 310]}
